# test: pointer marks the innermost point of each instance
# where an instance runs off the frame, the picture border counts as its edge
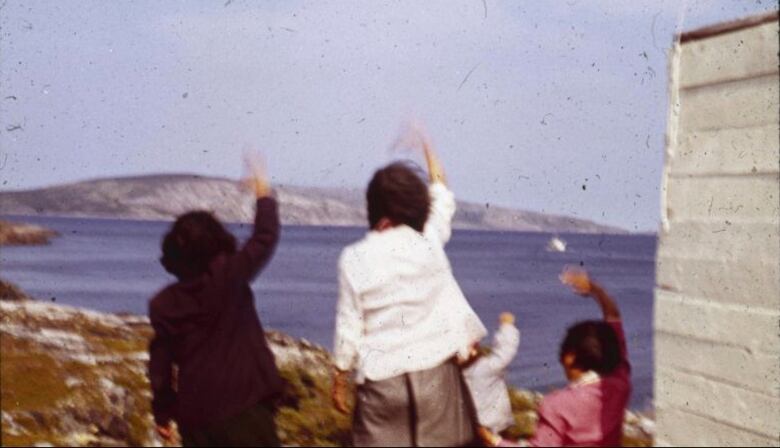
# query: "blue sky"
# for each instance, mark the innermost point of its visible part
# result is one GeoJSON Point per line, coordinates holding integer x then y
{"type": "Point", "coordinates": [555, 106]}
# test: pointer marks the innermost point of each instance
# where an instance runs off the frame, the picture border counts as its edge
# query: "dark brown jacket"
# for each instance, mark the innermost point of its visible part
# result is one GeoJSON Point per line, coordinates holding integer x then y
{"type": "Point", "coordinates": [208, 327]}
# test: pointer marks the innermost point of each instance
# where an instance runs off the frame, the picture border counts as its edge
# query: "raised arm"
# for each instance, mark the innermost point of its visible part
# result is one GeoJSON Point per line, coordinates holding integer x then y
{"type": "Point", "coordinates": [258, 249]}
{"type": "Point", "coordinates": [439, 224]}
{"type": "Point", "coordinates": [609, 308]}
{"type": "Point", "coordinates": [505, 343]}
{"type": "Point", "coordinates": [582, 284]}
{"type": "Point", "coordinates": [435, 168]}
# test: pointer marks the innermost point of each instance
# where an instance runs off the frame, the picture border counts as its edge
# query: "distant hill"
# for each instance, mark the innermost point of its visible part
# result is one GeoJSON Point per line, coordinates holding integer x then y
{"type": "Point", "coordinates": [164, 196]}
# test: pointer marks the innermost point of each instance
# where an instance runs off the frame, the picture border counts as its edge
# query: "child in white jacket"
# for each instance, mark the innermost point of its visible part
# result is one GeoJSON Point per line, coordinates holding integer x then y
{"type": "Point", "coordinates": [485, 377]}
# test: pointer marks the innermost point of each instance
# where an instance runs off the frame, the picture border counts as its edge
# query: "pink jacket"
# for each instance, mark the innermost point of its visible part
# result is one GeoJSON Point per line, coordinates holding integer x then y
{"type": "Point", "coordinates": [590, 412]}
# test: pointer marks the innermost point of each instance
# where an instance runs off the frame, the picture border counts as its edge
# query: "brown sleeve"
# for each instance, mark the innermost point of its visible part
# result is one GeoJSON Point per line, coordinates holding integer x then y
{"type": "Point", "coordinates": [259, 248]}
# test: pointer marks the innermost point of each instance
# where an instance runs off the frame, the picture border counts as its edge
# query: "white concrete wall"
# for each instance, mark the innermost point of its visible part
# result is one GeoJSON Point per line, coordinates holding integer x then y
{"type": "Point", "coordinates": [717, 315]}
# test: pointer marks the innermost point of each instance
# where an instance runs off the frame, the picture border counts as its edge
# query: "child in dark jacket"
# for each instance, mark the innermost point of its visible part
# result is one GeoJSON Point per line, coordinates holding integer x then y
{"type": "Point", "coordinates": [206, 329]}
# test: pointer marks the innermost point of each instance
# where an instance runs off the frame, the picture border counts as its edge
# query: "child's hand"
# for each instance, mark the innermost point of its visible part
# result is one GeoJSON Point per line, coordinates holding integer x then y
{"type": "Point", "coordinates": [169, 434]}
{"type": "Point", "coordinates": [578, 279]}
{"type": "Point", "coordinates": [414, 137]}
{"type": "Point", "coordinates": [487, 437]}
{"type": "Point", "coordinates": [165, 432]}
{"type": "Point", "coordinates": [506, 318]}
{"type": "Point", "coordinates": [340, 391]}
{"type": "Point", "coordinates": [473, 354]}
{"type": "Point", "coordinates": [257, 176]}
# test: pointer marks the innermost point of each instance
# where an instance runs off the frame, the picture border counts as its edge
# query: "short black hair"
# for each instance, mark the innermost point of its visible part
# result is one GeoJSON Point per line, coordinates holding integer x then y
{"type": "Point", "coordinates": [194, 240]}
{"type": "Point", "coordinates": [398, 193]}
{"type": "Point", "coordinates": [595, 346]}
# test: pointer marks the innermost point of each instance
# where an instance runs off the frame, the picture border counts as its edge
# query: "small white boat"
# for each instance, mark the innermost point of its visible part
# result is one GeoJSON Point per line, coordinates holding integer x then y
{"type": "Point", "coordinates": [556, 245]}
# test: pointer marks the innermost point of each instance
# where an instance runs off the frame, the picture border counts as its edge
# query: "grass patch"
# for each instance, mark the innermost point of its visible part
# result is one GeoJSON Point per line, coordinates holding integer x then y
{"type": "Point", "coordinates": [138, 420]}
{"type": "Point", "coordinates": [29, 379]}
{"type": "Point", "coordinates": [29, 439]}
{"type": "Point", "coordinates": [636, 442]}
{"type": "Point", "coordinates": [118, 346]}
{"type": "Point", "coordinates": [306, 416]}
{"type": "Point", "coordinates": [524, 407]}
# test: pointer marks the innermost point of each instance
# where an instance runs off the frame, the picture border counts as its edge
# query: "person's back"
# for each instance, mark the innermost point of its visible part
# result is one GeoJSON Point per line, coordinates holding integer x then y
{"type": "Point", "coordinates": [210, 367]}
{"type": "Point", "coordinates": [402, 320]}
{"type": "Point", "coordinates": [217, 343]}
{"type": "Point", "coordinates": [408, 295]}
{"type": "Point", "coordinates": [590, 411]}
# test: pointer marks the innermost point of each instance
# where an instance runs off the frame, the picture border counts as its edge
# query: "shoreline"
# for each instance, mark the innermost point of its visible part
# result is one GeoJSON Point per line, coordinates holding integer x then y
{"type": "Point", "coordinates": [457, 228]}
{"type": "Point", "coordinates": [102, 395]}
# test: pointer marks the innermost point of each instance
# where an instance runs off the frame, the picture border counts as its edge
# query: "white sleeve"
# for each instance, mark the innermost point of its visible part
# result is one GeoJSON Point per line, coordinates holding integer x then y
{"type": "Point", "coordinates": [506, 341]}
{"type": "Point", "coordinates": [466, 324]}
{"type": "Point", "coordinates": [349, 324]}
{"type": "Point", "coordinates": [439, 224]}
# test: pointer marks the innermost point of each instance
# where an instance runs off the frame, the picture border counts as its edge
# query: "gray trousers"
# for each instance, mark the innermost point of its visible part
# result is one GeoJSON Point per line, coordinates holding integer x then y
{"type": "Point", "coordinates": [428, 408]}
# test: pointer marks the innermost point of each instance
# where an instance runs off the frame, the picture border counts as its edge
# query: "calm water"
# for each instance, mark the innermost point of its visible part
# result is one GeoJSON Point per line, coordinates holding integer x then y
{"type": "Point", "coordinates": [112, 265]}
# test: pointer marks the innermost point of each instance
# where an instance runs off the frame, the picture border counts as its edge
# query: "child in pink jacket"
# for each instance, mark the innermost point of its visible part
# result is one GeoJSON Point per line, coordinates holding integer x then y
{"type": "Point", "coordinates": [590, 410]}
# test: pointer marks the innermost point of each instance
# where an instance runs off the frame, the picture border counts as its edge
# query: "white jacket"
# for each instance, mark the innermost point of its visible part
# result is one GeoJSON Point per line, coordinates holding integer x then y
{"type": "Point", "coordinates": [485, 378]}
{"type": "Point", "coordinates": [400, 309]}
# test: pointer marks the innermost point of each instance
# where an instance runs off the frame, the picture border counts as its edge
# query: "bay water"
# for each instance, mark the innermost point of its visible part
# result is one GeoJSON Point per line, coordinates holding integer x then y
{"type": "Point", "coordinates": [112, 265]}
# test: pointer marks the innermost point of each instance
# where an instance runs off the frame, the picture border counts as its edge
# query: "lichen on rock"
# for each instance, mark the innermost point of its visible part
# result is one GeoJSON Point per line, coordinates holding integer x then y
{"type": "Point", "coordinates": [76, 377]}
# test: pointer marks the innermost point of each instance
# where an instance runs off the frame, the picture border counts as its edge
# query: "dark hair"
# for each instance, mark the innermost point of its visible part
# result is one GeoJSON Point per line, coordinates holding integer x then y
{"type": "Point", "coordinates": [594, 345]}
{"type": "Point", "coordinates": [398, 193]}
{"type": "Point", "coordinates": [195, 239]}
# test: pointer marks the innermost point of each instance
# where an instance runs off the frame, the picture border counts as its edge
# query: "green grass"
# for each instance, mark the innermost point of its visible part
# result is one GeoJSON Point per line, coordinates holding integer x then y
{"type": "Point", "coordinates": [33, 389]}
{"type": "Point", "coordinates": [306, 416]}
{"type": "Point", "coordinates": [137, 420]}
{"type": "Point", "coordinates": [33, 385]}
{"type": "Point", "coordinates": [29, 379]}
{"type": "Point", "coordinates": [634, 442]}
{"type": "Point", "coordinates": [119, 346]}
{"type": "Point", "coordinates": [524, 408]}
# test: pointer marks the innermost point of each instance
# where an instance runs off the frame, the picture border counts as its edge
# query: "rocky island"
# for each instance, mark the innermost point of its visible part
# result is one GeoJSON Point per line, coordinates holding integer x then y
{"type": "Point", "coordinates": [12, 233]}
{"type": "Point", "coordinates": [76, 377]}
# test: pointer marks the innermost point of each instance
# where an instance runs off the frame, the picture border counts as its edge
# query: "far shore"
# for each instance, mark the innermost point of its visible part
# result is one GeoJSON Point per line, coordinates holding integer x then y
{"type": "Point", "coordinates": [28, 217]}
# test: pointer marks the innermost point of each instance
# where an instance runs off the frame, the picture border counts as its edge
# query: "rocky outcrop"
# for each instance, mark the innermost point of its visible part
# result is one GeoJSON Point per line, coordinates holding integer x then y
{"type": "Point", "coordinates": [23, 234]}
{"type": "Point", "coordinates": [76, 377]}
{"type": "Point", "coordinates": [11, 292]}
{"type": "Point", "coordinates": [73, 377]}
{"type": "Point", "coordinates": [163, 197]}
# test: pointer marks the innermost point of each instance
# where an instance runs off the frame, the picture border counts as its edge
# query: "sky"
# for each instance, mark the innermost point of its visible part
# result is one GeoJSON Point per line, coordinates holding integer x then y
{"type": "Point", "coordinates": [555, 106]}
